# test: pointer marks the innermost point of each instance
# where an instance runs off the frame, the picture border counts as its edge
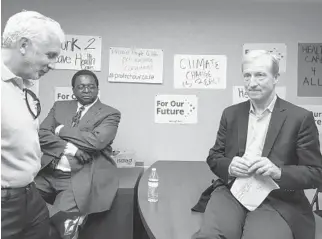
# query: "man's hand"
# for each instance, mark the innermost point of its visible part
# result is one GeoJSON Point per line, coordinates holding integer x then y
{"type": "Point", "coordinates": [239, 167]}
{"type": "Point", "coordinates": [83, 157]}
{"type": "Point", "coordinates": [264, 166]}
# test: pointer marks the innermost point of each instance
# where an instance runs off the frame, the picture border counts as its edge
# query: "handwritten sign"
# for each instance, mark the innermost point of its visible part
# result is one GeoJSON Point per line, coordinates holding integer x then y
{"type": "Point", "coordinates": [65, 93]}
{"type": "Point", "coordinates": [80, 52]}
{"type": "Point", "coordinates": [240, 94]}
{"type": "Point", "coordinates": [200, 71]}
{"type": "Point", "coordinates": [176, 109]}
{"type": "Point", "coordinates": [277, 49]}
{"type": "Point", "coordinates": [309, 71]}
{"type": "Point", "coordinates": [135, 65]}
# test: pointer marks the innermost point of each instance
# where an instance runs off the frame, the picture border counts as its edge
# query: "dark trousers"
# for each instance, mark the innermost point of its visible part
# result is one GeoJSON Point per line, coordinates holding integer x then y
{"type": "Point", "coordinates": [24, 214]}
{"type": "Point", "coordinates": [226, 218]}
{"type": "Point", "coordinates": [56, 188]}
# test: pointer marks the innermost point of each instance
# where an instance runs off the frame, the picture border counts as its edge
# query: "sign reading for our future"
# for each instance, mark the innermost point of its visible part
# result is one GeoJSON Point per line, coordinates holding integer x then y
{"type": "Point", "coordinates": [200, 71]}
{"type": "Point", "coordinates": [309, 70]}
{"type": "Point", "coordinates": [317, 113]}
{"type": "Point", "coordinates": [79, 53]}
{"type": "Point", "coordinates": [176, 109]}
{"type": "Point", "coordinates": [135, 65]}
{"type": "Point", "coordinates": [65, 93]}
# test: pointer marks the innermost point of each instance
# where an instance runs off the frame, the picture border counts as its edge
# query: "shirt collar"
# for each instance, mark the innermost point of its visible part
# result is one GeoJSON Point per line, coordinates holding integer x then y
{"type": "Point", "coordinates": [86, 106]}
{"type": "Point", "coordinates": [8, 75]}
{"type": "Point", "coordinates": [269, 108]}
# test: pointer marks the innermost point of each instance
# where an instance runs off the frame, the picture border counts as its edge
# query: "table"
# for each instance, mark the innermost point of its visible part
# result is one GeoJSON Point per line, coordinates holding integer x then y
{"type": "Point", "coordinates": [180, 186]}
{"type": "Point", "coordinates": [120, 222]}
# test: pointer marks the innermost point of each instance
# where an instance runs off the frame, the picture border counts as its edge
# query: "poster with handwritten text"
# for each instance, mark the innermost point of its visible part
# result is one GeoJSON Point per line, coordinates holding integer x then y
{"type": "Point", "coordinates": [176, 109]}
{"type": "Point", "coordinates": [309, 70]}
{"type": "Point", "coordinates": [135, 65]}
{"type": "Point", "coordinates": [240, 94]}
{"type": "Point", "coordinates": [79, 53]}
{"type": "Point", "coordinates": [277, 49]}
{"type": "Point", "coordinates": [200, 71]}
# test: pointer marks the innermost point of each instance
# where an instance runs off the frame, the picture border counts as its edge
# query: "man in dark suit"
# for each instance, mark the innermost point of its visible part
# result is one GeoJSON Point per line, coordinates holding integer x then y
{"type": "Point", "coordinates": [270, 137]}
{"type": "Point", "coordinates": [78, 177]}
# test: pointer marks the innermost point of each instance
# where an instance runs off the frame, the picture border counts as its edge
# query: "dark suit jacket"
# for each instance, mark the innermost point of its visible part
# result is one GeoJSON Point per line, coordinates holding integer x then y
{"type": "Point", "coordinates": [292, 143]}
{"type": "Point", "coordinates": [94, 184]}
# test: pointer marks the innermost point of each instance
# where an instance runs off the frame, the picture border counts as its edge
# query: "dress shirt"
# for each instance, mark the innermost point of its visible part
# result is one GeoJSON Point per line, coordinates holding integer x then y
{"type": "Point", "coordinates": [70, 149]}
{"type": "Point", "coordinates": [20, 149]}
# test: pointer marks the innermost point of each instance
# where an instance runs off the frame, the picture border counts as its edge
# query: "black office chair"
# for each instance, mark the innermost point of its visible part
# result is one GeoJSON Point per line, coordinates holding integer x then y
{"type": "Point", "coordinates": [316, 202]}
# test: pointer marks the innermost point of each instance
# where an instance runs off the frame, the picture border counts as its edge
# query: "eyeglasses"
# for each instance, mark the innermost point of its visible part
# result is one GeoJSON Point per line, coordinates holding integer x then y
{"type": "Point", "coordinates": [258, 76]}
{"type": "Point", "coordinates": [33, 103]}
{"type": "Point", "coordinates": [89, 87]}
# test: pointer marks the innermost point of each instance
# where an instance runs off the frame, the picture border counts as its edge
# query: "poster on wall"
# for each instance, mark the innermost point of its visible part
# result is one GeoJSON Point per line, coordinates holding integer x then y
{"type": "Point", "coordinates": [79, 53]}
{"type": "Point", "coordinates": [240, 95]}
{"type": "Point", "coordinates": [65, 93]}
{"type": "Point", "coordinates": [317, 113]}
{"type": "Point", "coordinates": [309, 70]}
{"type": "Point", "coordinates": [135, 65]}
{"type": "Point", "coordinates": [278, 49]}
{"type": "Point", "coordinates": [176, 109]}
{"type": "Point", "coordinates": [200, 71]}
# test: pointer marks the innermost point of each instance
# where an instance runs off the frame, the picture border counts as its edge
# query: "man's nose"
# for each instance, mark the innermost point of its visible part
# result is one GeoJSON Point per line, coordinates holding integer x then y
{"type": "Point", "coordinates": [86, 89]}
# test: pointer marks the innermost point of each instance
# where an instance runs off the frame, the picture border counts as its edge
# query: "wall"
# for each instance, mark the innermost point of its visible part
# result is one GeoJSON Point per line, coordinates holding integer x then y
{"type": "Point", "coordinates": [177, 27]}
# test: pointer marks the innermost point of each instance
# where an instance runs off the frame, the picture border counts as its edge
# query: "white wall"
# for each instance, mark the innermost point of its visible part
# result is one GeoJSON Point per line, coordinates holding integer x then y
{"type": "Point", "coordinates": [177, 27]}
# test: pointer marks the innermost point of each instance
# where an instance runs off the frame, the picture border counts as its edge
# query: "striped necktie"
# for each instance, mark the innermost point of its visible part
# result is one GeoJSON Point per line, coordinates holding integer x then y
{"type": "Point", "coordinates": [77, 117]}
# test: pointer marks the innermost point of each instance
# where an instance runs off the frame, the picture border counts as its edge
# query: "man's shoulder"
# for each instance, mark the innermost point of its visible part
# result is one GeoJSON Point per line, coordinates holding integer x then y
{"type": "Point", "coordinates": [293, 110]}
{"type": "Point", "coordinates": [108, 108]}
{"type": "Point", "coordinates": [236, 107]}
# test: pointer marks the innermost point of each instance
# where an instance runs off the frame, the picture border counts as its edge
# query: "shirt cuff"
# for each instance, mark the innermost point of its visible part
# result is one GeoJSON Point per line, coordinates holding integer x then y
{"type": "Point", "coordinates": [58, 128]}
{"type": "Point", "coordinates": [70, 149]}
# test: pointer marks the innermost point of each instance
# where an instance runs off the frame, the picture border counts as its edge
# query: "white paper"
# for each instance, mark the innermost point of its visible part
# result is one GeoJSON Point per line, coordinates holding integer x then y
{"type": "Point", "coordinates": [135, 65]}
{"type": "Point", "coordinates": [200, 71]}
{"type": "Point", "coordinates": [252, 191]}
{"type": "Point", "coordinates": [79, 53]}
{"type": "Point", "coordinates": [176, 109]}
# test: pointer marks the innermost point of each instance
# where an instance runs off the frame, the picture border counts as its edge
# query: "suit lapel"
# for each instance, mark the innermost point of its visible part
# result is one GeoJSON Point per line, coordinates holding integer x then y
{"type": "Point", "coordinates": [91, 113]}
{"type": "Point", "coordinates": [243, 116]}
{"type": "Point", "coordinates": [70, 112]}
{"type": "Point", "coordinates": [277, 120]}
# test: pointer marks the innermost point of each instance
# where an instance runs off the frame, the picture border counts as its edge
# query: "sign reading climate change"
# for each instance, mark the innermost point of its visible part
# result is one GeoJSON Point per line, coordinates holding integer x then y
{"type": "Point", "coordinates": [200, 71]}
{"type": "Point", "coordinates": [79, 53]}
{"type": "Point", "coordinates": [135, 65]}
{"type": "Point", "coordinates": [176, 109]}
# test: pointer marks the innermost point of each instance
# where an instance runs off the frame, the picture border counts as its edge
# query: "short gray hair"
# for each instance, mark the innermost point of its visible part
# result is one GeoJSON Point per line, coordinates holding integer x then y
{"type": "Point", "coordinates": [31, 25]}
{"type": "Point", "coordinates": [253, 55]}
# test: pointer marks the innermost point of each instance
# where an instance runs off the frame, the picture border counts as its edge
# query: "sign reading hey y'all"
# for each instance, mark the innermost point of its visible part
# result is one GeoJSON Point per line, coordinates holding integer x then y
{"type": "Point", "coordinates": [317, 113]}
{"type": "Point", "coordinates": [135, 65]}
{"type": "Point", "coordinates": [79, 53]}
{"type": "Point", "coordinates": [309, 71]}
{"type": "Point", "coordinates": [200, 71]}
{"type": "Point", "coordinates": [240, 94]}
{"type": "Point", "coordinates": [65, 93]}
{"type": "Point", "coordinates": [176, 109]}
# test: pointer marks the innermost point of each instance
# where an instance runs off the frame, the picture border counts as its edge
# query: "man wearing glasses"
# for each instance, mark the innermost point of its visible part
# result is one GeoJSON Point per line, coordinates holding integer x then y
{"type": "Point", "coordinates": [265, 138]}
{"type": "Point", "coordinates": [30, 45]}
{"type": "Point", "coordinates": [78, 177]}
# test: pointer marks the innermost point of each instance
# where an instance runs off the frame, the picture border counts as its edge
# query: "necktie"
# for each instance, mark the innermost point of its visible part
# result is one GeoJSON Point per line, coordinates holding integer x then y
{"type": "Point", "coordinates": [77, 117]}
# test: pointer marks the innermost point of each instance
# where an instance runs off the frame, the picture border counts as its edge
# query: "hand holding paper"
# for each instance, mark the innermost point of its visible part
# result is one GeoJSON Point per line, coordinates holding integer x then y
{"type": "Point", "coordinates": [263, 166]}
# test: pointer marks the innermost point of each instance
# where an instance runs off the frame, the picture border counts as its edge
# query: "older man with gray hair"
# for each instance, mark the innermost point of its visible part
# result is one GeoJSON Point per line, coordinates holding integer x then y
{"type": "Point", "coordinates": [30, 44]}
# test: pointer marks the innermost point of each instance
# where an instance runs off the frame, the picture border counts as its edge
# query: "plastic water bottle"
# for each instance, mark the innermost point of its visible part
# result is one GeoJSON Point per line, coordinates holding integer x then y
{"type": "Point", "coordinates": [153, 185]}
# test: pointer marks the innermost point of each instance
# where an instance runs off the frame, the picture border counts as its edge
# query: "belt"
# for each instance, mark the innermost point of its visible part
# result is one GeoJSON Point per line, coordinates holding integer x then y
{"type": "Point", "coordinates": [15, 191]}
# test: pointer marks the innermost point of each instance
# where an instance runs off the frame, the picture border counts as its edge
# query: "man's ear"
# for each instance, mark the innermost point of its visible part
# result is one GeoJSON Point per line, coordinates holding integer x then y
{"type": "Point", "coordinates": [276, 78]}
{"type": "Point", "coordinates": [24, 44]}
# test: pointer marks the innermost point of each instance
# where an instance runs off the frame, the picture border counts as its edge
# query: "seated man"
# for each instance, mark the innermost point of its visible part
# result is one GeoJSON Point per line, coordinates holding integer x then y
{"type": "Point", "coordinates": [264, 136]}
{"type": "Point", "coordinates": [78, 176]}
